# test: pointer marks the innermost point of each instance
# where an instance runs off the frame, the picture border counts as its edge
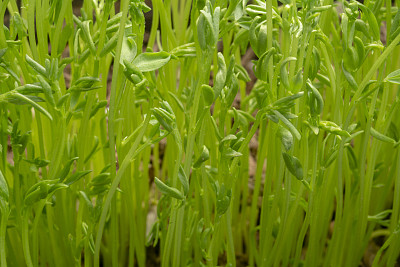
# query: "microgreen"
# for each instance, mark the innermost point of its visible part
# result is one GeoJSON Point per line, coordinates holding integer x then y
{"type": "Point", "coordinates": [263, 132]}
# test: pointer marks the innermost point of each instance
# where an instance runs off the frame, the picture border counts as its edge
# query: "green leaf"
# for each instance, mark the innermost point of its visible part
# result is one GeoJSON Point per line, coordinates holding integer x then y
{"type": "Point", "coordinates": [64, 172]}
{"type": "Point", "coordinates": [36, 66]}
{"type": "Point", "coordinates": [204, 156]}
{"type": "Point", "coordinates": [110, 45]}
{"type": "Point", "coordinates": [395, 29]}
{"type": "Point", "coordinates": [208, 95]}
{"type": "Point", "coordinates": [2, 52]}
{"type": "Point", "coordinates": [184, 180]}
{"type": "Point", "coordinates": [362, 27]}
{"type": "Point", "coordinates": [350, 79]}
{"type": "Point", "coordinates": [294, 166]}
{"type": "Point", "coordinates": [128, 49]}
{"type": "Point", "coordinates": [316, 100]}
{"type": "Point", "coordinates": [133, 73]}
{"type": "Point", "coordinates": [166, 119]}
{"type": "Point", "coordinates": [167, 190]}
{"type": "Point", "coordinates": [186, 50]}
{"type": "Point", "coordinates": [232, 91]}
{"type": "Point", "coordinates": [284, 74]}
{"type": "Point", "coordinates": [291, 127]}
{"type": "Point", "coordinates": [242, 73]}
{"type": "Point", "coordinates": [223, 203]}
{"type": "Point", "coordinates": [372, 22]}
{"type": "Point", "coordinates": [230, 153]}
{"type": "Point", "coordinates": [85, 84]}
{"type": "Point", "coordinates": [333, 128]}
{"type": "Point", "coordinates": [220, 77]}
{"type": "Point", "coordinates": [393, 77]}
{"type": "Point", "coordinates": [382, 137]}
{"type": "Point", "coordinates": [56, 187]}
{"type": "Point", "coordinates": [47, 90]}
{"type": "Point", "coordinates": [76, 177]}
{"type": "Point", "coordinates": [288, 99]}
{"type": "Point", "coordinates": [93, 150]}
{"type": "Point", "coordinates": [151, 60]}
{"type": "Point", "coordinates": [29, 89]}
{"type": "Point", "coordinates": [227, 138]}
{"type": "Point", "coordinates": [32, 103]}
{"type": "Point", "coordinates": [4, 194]}
{"type": "Point", "coordinates": [37, 192]}
{"type": "Point", "coordinates": [101, 180]}
{"type": "Point", "coordinates": [286, 137]}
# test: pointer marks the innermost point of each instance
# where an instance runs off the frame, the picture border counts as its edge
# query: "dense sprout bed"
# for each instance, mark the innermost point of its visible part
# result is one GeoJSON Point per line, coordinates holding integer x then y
{"type": "Point", "coordinates": [199, 133]}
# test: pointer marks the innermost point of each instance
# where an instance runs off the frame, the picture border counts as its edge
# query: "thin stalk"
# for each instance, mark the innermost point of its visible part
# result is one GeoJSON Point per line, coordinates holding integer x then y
{"type": "Point", "coordinates": [111, 133]}
{"type": "Point", "coordinates": [125, 163]}
{"type": "Point", "coordinates": [3, 232]}
{"type": "Point", "coordinates": [395, 213]}
{"type": "Point", "coordinates": [25, 240]}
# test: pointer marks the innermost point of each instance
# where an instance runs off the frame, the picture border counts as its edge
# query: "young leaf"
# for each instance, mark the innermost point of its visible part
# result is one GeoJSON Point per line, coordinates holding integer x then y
{"type": "Point", "coordinates": [4, 194]}
{"type": "Point", "coordinates": [64, 172]}
{"type": "Point", "coordinates": [291, 127]}
{"type": "Point", "coordinates": [284, 75]}
{"type": "Point", "coordinates": [382, 137]}
{"type": "Point", "coordinates": [37, 192]}
{"type": "Point", "coordinates": [230, 153]}
{"type": "Point", "coordinates": [242, 73]}
{"type": "Point", "coordinates": [184, 180]}
{"type": "Point", "coordinates": [332, 127]}
{"type": "Point", "coordinates": [76, 177]}
{"type": "Point", "coordinates": [208, 94]}
{"type": "Point", "coordinates": [128, 49]}
{"type": "Point", "coordinates": [101, 180]}
{"type": "Point", "coordinates": [204, 156]}
{"type": "Point", "coordinates": [223, 203]}
{"type": "Point", "coordinates": [36, 66]}
{"type": "Point", "coordinates": [372, 22]}
{"type": "Point", "coordinates": [220, 77]}
{"type": "Point", "coordinates": [47, 90]}
{"type": "Point", "coordinates": [393, 77]}
{"type": "Point", "coordinates": [90, 154]}
{"type": "Point", "coordinates": [286, 137]}
{"type": "Point", "coordinates": [56, 187]}
{"type": "Point", "coordinates": [285, 100]}
{"type": "Point", "coordinates": [32, 103]}
{"type": "Point", "coordinates": [316, 108]}
{"type": "Point", "coordinates": [294, 166]}
{"type": "Point", "coordinates": [350, 79]}
{"type": "Point", "coordinates": [111, 44]}
{"type": "Point", "coordinates": [164, 118]}
{"type": "Point", "coordinates": [151, 61]}
{"type": "Point", "coordinates": [167, 190]}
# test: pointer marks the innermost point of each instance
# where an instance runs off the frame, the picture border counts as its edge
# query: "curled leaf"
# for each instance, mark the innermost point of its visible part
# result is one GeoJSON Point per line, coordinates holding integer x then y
{"type": "Point", "coordinates": [382, 137]}
{"type": "Point", "coordinates": [167, 190]}
{"type": "Point", "coordinates": [294, 166]}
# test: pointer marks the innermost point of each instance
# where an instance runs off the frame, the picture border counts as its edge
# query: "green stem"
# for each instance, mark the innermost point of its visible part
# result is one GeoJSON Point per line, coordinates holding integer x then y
{"type": "Point", "coordinates": [3, 232]}
{"type": "Point", "coordinates": [25, 240]}
{"type": "Point", "coordinates": [125, 163]}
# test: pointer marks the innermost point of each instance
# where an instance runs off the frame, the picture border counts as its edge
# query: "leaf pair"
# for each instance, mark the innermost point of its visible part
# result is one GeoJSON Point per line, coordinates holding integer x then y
{"type": "Point", "coordinates": [208, 27]}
